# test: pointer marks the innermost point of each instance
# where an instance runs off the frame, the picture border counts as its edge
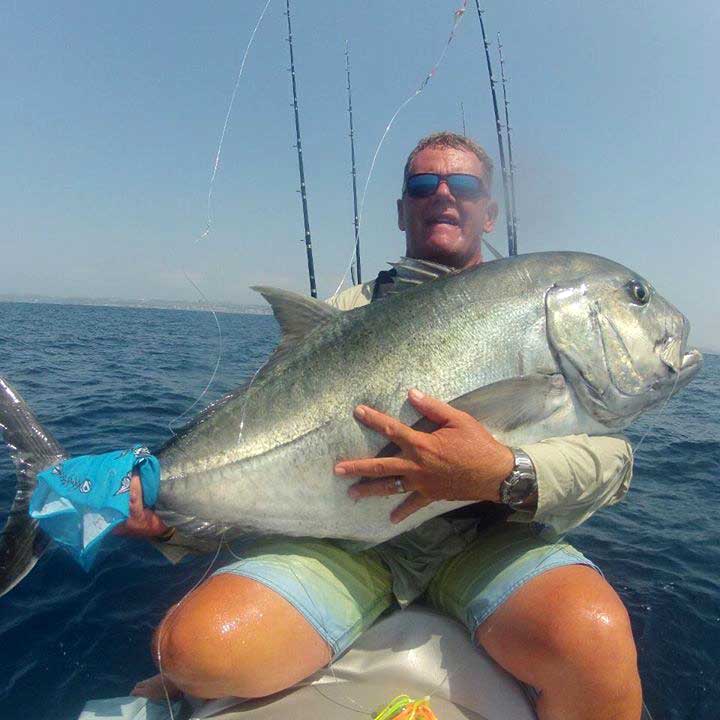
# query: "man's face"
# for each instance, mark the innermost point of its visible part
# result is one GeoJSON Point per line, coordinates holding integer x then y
{"type": "Point", "coordinates": [442, 227]}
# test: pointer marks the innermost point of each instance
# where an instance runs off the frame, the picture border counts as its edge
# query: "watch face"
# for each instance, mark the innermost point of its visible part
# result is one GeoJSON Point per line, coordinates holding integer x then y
{"type": "Point", "coordinates": [521, 483]}
{"type": "Point", "coordinates": [513, 479]}
{"type": "Point", "coordinates": [517, 489]}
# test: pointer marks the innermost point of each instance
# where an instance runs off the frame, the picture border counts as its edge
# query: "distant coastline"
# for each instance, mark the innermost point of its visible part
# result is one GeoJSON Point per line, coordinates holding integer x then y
{"type": "Point", "coordinates": [236, 309]}
{"type": "Point", "coordinates": [232, 308]}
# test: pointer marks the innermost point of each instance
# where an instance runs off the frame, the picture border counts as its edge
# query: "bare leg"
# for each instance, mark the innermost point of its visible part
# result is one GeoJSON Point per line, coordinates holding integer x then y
{"type": "Point", "coordinates": [235, 636]}
{"type": "Point", "coordinates": [567, 633]}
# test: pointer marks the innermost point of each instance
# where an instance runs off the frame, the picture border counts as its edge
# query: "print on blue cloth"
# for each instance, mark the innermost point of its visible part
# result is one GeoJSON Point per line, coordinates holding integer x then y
{"type": "Point", "coordinates": [79, 501]}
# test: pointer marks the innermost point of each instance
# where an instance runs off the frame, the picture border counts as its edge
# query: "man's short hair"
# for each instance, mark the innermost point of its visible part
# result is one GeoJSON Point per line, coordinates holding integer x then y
{"type": "Point", "coordinates": [451, 140]}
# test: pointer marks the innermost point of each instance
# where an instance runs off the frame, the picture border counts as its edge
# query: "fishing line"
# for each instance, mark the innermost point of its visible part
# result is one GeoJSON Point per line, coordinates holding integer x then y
{"type": "Point", "coordinates": [217, 362]}
{"type": "Point", "coordinates": [216, 164]}
{"type": "Point", "coordinates": [208, 224]}
{"type": "Point", "coordinates": [659, 414]}
{"type": "Point", "coordinates": [245, 401]}
{"type": "Point", "coordinates": [457, 17]}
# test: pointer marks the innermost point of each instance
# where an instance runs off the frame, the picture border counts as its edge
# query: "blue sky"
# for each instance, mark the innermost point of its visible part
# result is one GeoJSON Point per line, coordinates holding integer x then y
{"type": "Point", "coordinates": [111, 112]}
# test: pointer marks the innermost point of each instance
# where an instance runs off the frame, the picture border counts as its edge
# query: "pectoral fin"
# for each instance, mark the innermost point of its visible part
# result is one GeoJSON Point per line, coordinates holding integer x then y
{"type": "Point", "coordinates": [505, 405]}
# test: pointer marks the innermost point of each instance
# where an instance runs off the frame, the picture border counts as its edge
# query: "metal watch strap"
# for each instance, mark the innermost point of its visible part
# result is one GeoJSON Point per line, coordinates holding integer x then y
{"type": "Point", "coordinates": [519, 489]}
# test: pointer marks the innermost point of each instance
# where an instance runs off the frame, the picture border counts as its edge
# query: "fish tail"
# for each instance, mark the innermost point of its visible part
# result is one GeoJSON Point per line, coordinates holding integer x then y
{"type": "Point", "coordinates": [32, 449]}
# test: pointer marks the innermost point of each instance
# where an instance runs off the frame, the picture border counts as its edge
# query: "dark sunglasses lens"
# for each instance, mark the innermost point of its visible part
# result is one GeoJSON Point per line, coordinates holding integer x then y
{"type": "Point", "coordinates": [422, 185]}
{"type": "Point", "coordinates": [465, 186]}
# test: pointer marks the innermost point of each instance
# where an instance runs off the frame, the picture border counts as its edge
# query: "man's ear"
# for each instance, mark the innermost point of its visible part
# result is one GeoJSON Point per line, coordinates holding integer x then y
{"type": "Point", "coordinates": [491, 214]}
{"type": "Point", "coordinates": [401, 215]}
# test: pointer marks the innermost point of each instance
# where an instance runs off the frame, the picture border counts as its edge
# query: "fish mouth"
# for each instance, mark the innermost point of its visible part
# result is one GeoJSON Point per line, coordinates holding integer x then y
{"type": "Point", "coordinates": [692, 361]}
{"type": "Point", "coordinates": [683, 364]}
{"type": "Point", "coordinates": [684, 371]}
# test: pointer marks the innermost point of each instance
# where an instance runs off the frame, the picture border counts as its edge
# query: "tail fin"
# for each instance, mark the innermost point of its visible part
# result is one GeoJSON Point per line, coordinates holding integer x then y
{"type": "Point", "coordinates": [32, 449]}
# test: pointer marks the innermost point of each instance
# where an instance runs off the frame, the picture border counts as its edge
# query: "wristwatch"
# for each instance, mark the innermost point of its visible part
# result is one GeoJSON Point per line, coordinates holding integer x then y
{"type": "Point", "coordinates": [519, 489]}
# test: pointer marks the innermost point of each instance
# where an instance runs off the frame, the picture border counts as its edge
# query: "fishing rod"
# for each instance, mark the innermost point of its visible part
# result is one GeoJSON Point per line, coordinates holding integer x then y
{"type": "Point", "coordinates": [356, 220]}
{"type": "Point", "coordinates": [298, 145]}
{"type": "Point", "coordinates": [508, 131]}
{"type": "Point", "coordinates": [512, 249]}
{"type": "Point", "coordinates": [462, 115]}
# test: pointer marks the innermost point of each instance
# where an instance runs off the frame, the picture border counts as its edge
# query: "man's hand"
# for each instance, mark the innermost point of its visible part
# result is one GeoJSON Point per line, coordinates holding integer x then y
{"type": "Point", "coordinates": [460, 460]}
{"type": "Point", "coordinates": [142, 522]}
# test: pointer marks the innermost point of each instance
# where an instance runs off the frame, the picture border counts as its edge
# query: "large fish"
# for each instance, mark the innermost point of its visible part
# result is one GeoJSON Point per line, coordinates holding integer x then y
{"type": "Point", "coordinates": [534, 346]}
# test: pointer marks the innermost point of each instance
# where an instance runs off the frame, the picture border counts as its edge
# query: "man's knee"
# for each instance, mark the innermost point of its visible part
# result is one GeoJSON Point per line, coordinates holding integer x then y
{"type": "Point", "coordinates": [190, 647]}
{"type": "Point", "coordinates": [591, 638]}
{"type": "Point", "coordinates": [566, 623]}
{"type": "Point", "coordinates": [230, 636]}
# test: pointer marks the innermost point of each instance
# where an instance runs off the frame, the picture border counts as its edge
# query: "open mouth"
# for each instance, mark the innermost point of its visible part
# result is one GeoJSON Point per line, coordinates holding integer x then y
{"type": "Point", "coordinates": [444, 220]}
{"type": "Point", "coordinates": [691, 362]}
{"type": "Point", "coordinates": [687, 369]}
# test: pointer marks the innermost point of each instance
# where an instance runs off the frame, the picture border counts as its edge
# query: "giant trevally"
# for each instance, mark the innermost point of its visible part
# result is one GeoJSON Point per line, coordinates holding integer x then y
{"type": "Point", "coordinates": [534, 346]}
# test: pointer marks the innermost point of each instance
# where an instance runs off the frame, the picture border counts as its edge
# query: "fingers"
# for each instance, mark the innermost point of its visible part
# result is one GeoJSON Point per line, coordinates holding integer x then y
{"type": "Point", "coordinates": [136, 519]}
{"type": "Point", "coordinates": [141, 522]}
{"type": "Point", "coordinates": [411, 504]}
{"type": "Point", "coordinates": [148, 524]}
{"type": "Point", "coordinates": [386, 470]}
{"type": "Point", "coordinates": [433, 409]}
{"type": "Point", "coordinates": [386, 425]}
{"type": "Point", "coordinates": [375, 467]}
{"type": "Point", "coordinates": [397, 475]}
{"type": "Point", "coordinates": [136, 498]}
{"type": "Point", "coordinates": [380, 487]}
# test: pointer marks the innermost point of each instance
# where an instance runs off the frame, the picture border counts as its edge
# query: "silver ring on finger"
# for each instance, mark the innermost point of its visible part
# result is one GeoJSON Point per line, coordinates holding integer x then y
{"type": "Point", "coordinates": [398, 486]}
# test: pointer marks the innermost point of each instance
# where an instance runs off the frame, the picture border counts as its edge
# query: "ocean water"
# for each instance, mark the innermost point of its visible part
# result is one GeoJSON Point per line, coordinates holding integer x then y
{"type": "Point", "coordinates": [105, 378]}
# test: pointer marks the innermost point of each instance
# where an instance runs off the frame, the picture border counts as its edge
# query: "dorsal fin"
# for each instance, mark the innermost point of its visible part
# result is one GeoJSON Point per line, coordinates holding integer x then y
{"type": "Point", "coordinates": [412, 272]}
{"type": "Point", "coordinates": [297, 316]}
{"type": "Point", "coordinates": [410, 269]}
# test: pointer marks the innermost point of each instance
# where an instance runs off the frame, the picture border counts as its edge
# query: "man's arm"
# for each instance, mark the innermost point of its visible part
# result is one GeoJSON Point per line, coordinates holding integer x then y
{"type": "Point", "coordinates": [577, 475]}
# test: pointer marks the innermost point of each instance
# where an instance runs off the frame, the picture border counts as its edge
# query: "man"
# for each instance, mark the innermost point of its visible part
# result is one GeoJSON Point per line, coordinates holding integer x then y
{"type": "Point", "coordinates": [537, 606]}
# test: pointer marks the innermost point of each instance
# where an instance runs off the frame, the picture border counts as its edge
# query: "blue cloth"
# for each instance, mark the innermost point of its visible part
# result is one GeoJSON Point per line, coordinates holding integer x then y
{"type": "Point", "coordinates": [79, 501]}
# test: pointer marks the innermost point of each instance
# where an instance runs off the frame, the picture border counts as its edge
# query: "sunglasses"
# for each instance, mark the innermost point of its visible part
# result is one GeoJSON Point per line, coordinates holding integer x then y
{"type": "Point", "coordinates": [462, 186]}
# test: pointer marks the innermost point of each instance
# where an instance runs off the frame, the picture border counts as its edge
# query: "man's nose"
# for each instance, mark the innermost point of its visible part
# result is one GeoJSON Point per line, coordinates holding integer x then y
{"type": "Point", "coordinates": [444, 189]}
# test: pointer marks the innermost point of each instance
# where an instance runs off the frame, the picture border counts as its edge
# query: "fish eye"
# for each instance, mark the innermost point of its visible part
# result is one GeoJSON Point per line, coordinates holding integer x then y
{"type": "Point", "coordinates": [639, 292]}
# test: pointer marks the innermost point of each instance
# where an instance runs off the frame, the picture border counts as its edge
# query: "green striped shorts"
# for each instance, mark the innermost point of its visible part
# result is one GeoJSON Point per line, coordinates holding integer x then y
{"type": "Point", "coordinates": [341, 593]}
